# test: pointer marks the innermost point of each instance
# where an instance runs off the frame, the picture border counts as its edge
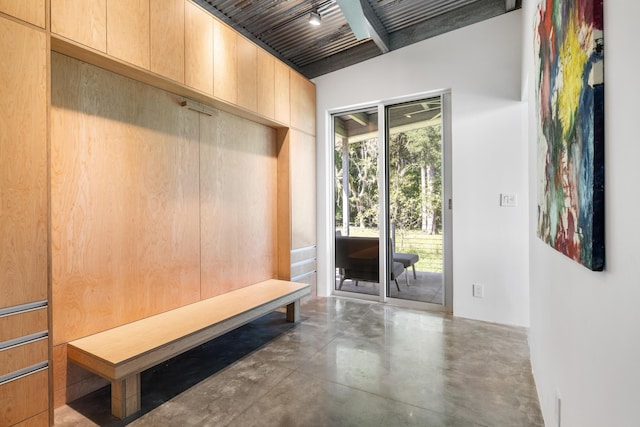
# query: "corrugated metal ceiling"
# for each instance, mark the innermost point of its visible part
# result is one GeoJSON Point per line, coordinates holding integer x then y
{"type": "Point", "coordinates": [282, 26]}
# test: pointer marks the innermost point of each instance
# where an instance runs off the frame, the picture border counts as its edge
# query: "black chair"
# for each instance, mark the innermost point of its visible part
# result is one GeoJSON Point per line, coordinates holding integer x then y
{"type": "Point", "coordinates": [358, 258]}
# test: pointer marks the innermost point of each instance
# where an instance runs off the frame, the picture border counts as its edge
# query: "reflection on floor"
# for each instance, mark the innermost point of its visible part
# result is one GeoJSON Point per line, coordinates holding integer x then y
{"type": "Point", "coordinates": [426, 287]}
{"type": "Point", "coordinates": [347, 363]}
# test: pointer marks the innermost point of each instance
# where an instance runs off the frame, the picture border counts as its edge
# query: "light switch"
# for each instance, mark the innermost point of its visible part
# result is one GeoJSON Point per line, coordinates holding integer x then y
{"type": "Point", "coordinates": [508, 200]}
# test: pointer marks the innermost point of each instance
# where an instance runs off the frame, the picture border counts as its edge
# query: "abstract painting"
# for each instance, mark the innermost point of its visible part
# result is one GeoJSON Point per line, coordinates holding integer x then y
{"type": "Point", "coordinates": [570, 107]}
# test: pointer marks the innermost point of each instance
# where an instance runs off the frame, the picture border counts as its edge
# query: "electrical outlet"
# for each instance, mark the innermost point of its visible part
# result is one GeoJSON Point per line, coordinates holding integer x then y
{"type": "Point", "coordinates": [508, 200]}
{"type": "Point", "coordinates": [478, 290]}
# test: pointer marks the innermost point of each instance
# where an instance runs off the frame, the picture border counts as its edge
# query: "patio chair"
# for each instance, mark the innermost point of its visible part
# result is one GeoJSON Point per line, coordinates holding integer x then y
{"type": "Point", "coordinates": [358, 259]}
{"type": "Point", "coordinates": [407, 260]}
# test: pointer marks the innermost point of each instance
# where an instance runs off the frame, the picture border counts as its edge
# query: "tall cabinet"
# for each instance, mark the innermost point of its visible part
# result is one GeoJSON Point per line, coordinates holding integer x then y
{"type": "Point", "coordinates": [173, 45]}
{"type": "Point", "coordinates": [24, 337]}
{"type": "Point", "coordinates": [297, 181]}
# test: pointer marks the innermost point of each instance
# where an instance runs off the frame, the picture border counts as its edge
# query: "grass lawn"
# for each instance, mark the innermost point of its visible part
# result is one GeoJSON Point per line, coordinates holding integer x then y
{"type": "Point", "coordinates": [427, 246]}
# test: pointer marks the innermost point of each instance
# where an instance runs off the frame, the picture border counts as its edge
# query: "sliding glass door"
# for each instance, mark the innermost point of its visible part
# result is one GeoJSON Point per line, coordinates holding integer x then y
{"type": "Point", "coordinates": [391, 176]}
{"type": "Point", "coordinates": [415, 195]}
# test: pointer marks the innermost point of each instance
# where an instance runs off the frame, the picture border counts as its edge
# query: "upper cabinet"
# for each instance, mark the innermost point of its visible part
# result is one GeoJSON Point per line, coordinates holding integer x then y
{"type": "Point", "coordinates": [180, 41]}
{"type": "Point", "coordinates": [303, 102]}
{"type": "Point", "coordinates": [82, 21]}
{"type": "Point", "coordinates": [265, 85]}
{"type": "Point", "coordinates": [128, 31]}
{"type": "Point", "coordinates": [167, 33]}
{"type": "Point", "coordinates": [225, 63]}
{"type": "Point", "coordinates": [282, 102]}
{"type": "Point", "coordinates": [247, 74]}
{"type": "Point", "coordinates": [198, 55]}
{"type": "Point", "coordinates": [31, 11]}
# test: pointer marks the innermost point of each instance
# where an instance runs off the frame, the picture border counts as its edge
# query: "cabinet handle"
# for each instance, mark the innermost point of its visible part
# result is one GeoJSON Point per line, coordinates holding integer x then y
{"type": "Point", "coordinates": [23, 340]}
{"type": "Point", "coordinates": [6, 311]}
{"type": "Point", "coordinates": [12, 376]}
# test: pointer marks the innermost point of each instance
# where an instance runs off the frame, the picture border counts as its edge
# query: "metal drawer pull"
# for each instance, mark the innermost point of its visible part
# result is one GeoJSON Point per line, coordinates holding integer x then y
{"type": "Point", "coordinates": [23, 340]}
{"type": "Point", "coordinates": [12, 376]}
{"type": "Point", "coordinates": [22, 307]}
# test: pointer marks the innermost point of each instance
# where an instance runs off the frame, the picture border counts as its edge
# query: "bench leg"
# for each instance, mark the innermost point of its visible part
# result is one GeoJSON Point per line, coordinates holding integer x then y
{"type": "Point", "coordinates": [414, 271]}
{"type": "Point", "coordinates": [293, 311]}
{"type": "Point", "coordinates": [125, 396]}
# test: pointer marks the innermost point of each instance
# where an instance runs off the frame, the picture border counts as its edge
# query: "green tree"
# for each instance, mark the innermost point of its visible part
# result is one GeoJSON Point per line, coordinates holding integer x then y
{"type": "Point", "coordinates": [415, 187]}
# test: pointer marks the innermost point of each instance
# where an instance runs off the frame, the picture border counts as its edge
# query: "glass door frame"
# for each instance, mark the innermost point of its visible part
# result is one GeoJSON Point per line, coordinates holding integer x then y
{"type": "Point", "coordinates": [383, 202]}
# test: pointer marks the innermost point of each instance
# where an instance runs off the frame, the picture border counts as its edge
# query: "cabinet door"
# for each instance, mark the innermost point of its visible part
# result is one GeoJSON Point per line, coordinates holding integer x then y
{"type": "Point", "coordinates": [303, 104]}
{"type": "Point", "coordinates": [281, 81]}
{"type": "Point", "coordinates": [247, 74]}
{"type": "Point", "coordinates": [128, 31]}
{"type": "Point", "coordinates": [167, 38]}
{"type": "Point", "coordinates": [266, 84]}
{"type": "Point", "coordinates": [198, 55]}
{"type": "Point", "coordinates": [302, 178]}
{"type": "Point", "coordinates": [23, 164]}
{"type": "Point", "coordinates": [24, 397]}
{"type": "Point", "coordinates": [82, 21]}
{"type": "Point", "coordinates": [225, 63]}
{"type": "Point", "coordinates": [31, 11]}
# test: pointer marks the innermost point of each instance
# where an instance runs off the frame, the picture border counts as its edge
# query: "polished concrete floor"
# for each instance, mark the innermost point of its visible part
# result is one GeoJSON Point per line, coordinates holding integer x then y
{"type": "Point", "coordinates": [347, 363]}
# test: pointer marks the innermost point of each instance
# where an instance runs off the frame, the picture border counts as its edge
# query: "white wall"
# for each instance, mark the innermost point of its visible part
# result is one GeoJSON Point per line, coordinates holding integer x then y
{"type": "Point", "coordinates": [585, 326]}
{"type": "Point", "coordinates": [481, 64]}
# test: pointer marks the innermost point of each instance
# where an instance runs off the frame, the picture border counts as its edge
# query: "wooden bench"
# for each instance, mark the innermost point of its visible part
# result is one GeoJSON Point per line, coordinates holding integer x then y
{"type": "Point", "coordinates": [122, 353]}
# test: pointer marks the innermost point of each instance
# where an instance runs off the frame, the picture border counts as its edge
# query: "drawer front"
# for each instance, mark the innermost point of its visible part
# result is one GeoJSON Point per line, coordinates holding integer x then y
{"type": "Point", "coordinates": [18, 324]}
{"type": "Point", "coordinates": [15, 407]}
{"type": "Point", "coordinates": [302, 254]}
{"type": "Point", "coordinates": [40, 420]}
{"type": "Point", "coordinates": [24, 355]}
{"type": "Point", "coordinates": [302, 268]}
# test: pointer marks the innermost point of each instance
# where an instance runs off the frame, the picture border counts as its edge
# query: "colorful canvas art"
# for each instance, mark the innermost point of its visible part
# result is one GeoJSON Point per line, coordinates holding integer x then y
{"type": "Point", "coordinates": [570, 101]}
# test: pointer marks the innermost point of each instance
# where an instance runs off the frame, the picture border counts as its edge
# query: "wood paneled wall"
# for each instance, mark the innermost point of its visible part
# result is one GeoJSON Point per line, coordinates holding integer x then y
{"type": "Point", "coordinates": [154, 206]}
{"type": "Point", "coordinates": [124, 200]}
{"type": "Point", "coordinates": [238, 168]}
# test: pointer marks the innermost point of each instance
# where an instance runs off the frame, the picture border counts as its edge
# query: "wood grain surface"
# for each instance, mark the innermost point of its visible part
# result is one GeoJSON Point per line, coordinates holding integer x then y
{"type": "Point", "coordinates": [198, 53]}
{"type": "Point", "coordinates": [23, 164]}
{"type": "Point", "coordinates": [167, 32]}
{"type": "Point", "coordinates": [82, 21]}
{"type": "Point", "coordinates": [124, 193]}
{"type": "Point", "coordinates": [31, 11]}
{"type": "Point", "coordinates": [238, 203]}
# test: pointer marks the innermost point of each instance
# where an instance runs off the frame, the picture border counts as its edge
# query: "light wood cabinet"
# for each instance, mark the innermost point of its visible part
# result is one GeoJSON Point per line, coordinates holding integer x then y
{"type": "Point", "coordinates": [17, 325]}
{"type": "Point", "coordinates": [303, 102]}
{"type": "Point", "coordinates": [282, 93]}
{"type": "Point", "coordinates": [302, 152]}
{"type": "Point", "coordinates": [24, 398]}
{"type": "Point", "coordinates": [22, 356]}
{"type": "Point", "coordinates": [31, 11]}
{"type": "Point", "coordinates": [247, 74]}
{"type": "Point", "coordinates": [82, 21]}
{"type": "Point", "coordinates": [265, 85]}
{"type": "Point", "coordinates": [23, 224]}
{"type": "Point", "coordinates": [167, 32]}
{"type": "Point", "coordinates": [225, 63]}
{"type": "Point", "coordinates": [198, 55]}
{"type": "Point", "coordinates": [128, 31]}
{"type": "Point", "coordinates": [23, 164]}
{"type": "Point", "coordinates": [296, 202]}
